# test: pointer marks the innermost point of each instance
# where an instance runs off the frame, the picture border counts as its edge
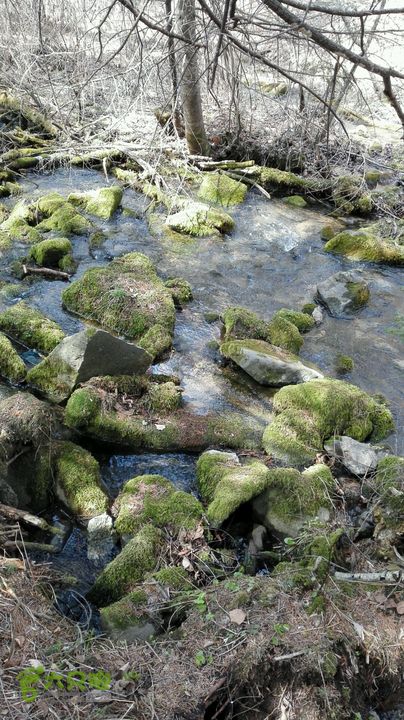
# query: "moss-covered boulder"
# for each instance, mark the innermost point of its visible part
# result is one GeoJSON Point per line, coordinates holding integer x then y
{"type": "Point", "coordinates": [220, 189]}
{"type": "Point", "coordinates": [122, 574]}
{"type": "Point", "coordinates": [296, 201]}
{"type": "Point", "coordinates": [291, 499]}
{"type": "Point", "coordinates": [103, 416]}
{"type": "Point", "coordinates": [283, 330]}
{"type": "Point", "coordinates": [25, 421]}
{"type": "Point", "coordinates": [135, 617]}
{"type": "Point", "coordinates": [343, 293]}
{"type": "Point", "coordinates": [351, 196]}
{"type": "Point", "coordinates": [180, 289]}
{"type": "Point", "coordinates": [367, 244]}
{"type": "Point", "coordinates": [102, 202]}
{"type": "Point", "coordinates": [19, 225]}
{"type": "Point", "coordinates": [154, 499]}
{"type": "Point", "coordinates": [200, 220]}
{"type": "Point", "coordinates": [57, 214]}
{"type": "Point", "coordinates": [310, 413]}
{"type": "Point", "coordinates": [225, 484]}
{"type": "Point", "coordinates": [30, 327]}
{"type": "Point", "coordinates": [12, 368]}
{"type": "Point", "coordinates": [387, 488]}
{"type": "Point", "coordinates": [126, 297]}
{"type": "Point", "coordinates": [332, 228]}
{"type": "Point", "coordinates": [268, 364]}
{"type": "Point", "coordinates": [301, 320]}
{"type": "Point", "coordinates": [78, 480]}
{"type": "Point", "coordinates": [50, 253]}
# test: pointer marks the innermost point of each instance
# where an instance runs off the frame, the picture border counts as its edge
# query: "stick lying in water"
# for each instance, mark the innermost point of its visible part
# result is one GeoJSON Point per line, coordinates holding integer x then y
{"type": "Point", "coordinates": [47, 272]}
{"type": "Point", "coordinates": [11, 513]}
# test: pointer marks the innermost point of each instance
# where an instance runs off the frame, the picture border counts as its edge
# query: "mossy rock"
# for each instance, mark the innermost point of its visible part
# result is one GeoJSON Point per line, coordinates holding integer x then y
{"type": "Point", "coordinates": [344, 364]}
{"type": "Point", "coordinates": [389, 484]}
{"type": "Point", "coordinates": [366, 244]}
{"type": "Point", "coordinates": [25, 421]}
{"type": "Point", "coordinates": [126, 297]}
{"type": "Point", "coordinates": [331, 229]}
{"type": "Point", "coordinates": [50, 253]}
{"type": "Point", "coordinates": [301, 320]}
{"type": "Point", "coordinates": [78, 480]}
{"type": "Point", "coordinates": [282, 180]}
{"type": "Point", "coordinates": [180, 289]}
{"type": "Point", "coordinates": [226, 484]}
{"type": "Point", "coordinates": [122, 574]}
{"type": "Point", "coordinates": [19, 224]}
{"type": "Point", "coordinates": [200, 220]}
{"type": "Point", "coordinates": [240, 324]}
{"type": "Point", "coordinates": [284, 334]}
{"type": "Point", "coordinates": [308, 414]}
{"type": "Point", "coordinates": [349, 196]}
{"type": "Point", "coordinates": [102, 202]}
{"type": "Point", "coordinates": [88, 411]}
{"type": "Point", "coordinates": [12, 368]}
{"type": "Point", "coordinates": [61, 216]}
{"type": "Point", "coordinates": [291, 499]}
{"type": "Point", "coordinates": [220, 189]}
{"type": "Point", "coordinates": [163, 397]}
{"type": "Point", "coordinates": [282, 330]}
{"type": "Point", "coordinates": [154, 499]}
{"type": "Point", "coordinates": [295, 201]}
{"type": "Point", "coordinates": [30, 327]}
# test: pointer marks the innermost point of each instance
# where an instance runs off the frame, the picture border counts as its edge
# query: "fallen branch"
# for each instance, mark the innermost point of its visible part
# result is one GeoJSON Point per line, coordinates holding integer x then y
{"type": "Point", "coordinates": [26, 545]}
{"type": "Point", "coordinates": [22, 516]}
{"type": "Point", "coordinates": [391, 577]}
{"type": "Point", "coordinates": [47, 272]}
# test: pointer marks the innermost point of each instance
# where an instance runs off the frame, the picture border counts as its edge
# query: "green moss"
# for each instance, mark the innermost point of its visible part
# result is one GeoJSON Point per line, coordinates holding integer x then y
{"type": "Point", "coordinates": [102, 202]}
{"type": "Point", "coordinates": [12, 368]}
{"type": "Point", "coordinates": [30, 327]}
{"type": "Point", "coordinates": [284, 334]}
{"type": "Point", "coordinates": [126, 297]}
{"type": "Point", "coordinates": [152, 498]}
{"type": "Point", "coordinates": [35, 120]}
{"type": "Point", "coordinates": [295, 201]}
{"type": "Point", "coordinates": [308, 308]}
{"type": "Point", "coordinates": [372, 177]}
{"type": "Point", "coordinates": [61, 216]}
{"type": "Point", "coordinates": [389, 483]}
{"type": "Point", "coordinates": [309, 413]}
{"type": "Point", "coordinates": [68, 264]}
{"type": "Point", "coordinates": [78, 480]}
{"type": "Point", "coordinates": [174, 578]}
{"type": "Point", "coordinates": [349, 197]}
{"type": "Point", "coordinates": [163, 397]}
{"type": "Point", "coordinates": [180, 290]}
{"type": "Point", "coordinates": [126, 612]}
{"type": "Point", "coordinates": [53, 378]}
{"type": "Point", "coordinates": [344, 364]}
{"type": "Point", "coordinates": [330, 230]}
{"type": "Point", "coordinates": [50, 252]}
{"type": "Point", "coordinates": [281, 180]}
{"type": "Point", "coordinates": [96, 239]}
{"type": "Point", "coordinates": [226, 484]}
{"type": "Point", "coordinates": [200, 220]}
{"type": "Point", "coordinates": [83, 408]}
{"type": "Point", "coordinates": [157, 341]}
{"type": "Point", "coordinates": [19, 223]}
{"type": "Point", "coordinates": [364, 244]}
{"type": "Point", "coordinates": [240, 323]}
{"type": "Point", "coordinates": [294, 575]}
{"type": "Point", "coordinates": [301, 320]}
{"type": "Point", "coordinates": [222, 190]}
{"type": "Point", "coordinates": [276, 89]}
{"type": "Point", "coordinates": [128, 568]}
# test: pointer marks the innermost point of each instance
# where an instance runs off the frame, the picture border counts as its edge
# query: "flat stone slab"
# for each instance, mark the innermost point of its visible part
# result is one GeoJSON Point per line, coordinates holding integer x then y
{"type": "Point", "coordinates": [343, 293]}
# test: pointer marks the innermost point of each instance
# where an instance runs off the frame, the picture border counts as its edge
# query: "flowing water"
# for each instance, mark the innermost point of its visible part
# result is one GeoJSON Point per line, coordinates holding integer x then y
{"type": "Point", "coordinates": [274, 258]}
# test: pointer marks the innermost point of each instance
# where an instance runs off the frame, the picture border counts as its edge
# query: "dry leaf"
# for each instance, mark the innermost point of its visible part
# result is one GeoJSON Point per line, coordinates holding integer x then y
{"type": "Point", "coordinates": [237, 616]}
{"type": "Point", "coordinates": [187, 565]}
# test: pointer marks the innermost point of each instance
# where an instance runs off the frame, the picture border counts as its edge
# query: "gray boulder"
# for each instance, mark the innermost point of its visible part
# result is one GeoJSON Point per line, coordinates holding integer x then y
{"type": "Point", "coordinates": [101, 538]}
{"type": "Point", "coordinates": [267, 364]}
{"type": "Point", "coordinates": [89, 353]}
{"type": "Point", "coordinates": [357, 457]}
{"type": "Point", "coordinates": [343, 293]}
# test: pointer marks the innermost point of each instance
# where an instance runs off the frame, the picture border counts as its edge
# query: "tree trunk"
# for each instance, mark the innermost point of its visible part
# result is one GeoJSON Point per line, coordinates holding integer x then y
{"type": "Point", "coordinates": [189, 82]}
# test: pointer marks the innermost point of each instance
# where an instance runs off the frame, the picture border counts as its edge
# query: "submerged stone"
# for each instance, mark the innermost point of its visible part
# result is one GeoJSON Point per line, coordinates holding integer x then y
{"type": "Point", "coordinates": [154, 499]}
{"type": "Point", "coordinates": [12, 368]}
{"type": "Point", "coordinates": [30, 327]}
{"type": "Point", "coordinates": [102, 202]}
{"type": "Point", "coordinates": [220, 189]}
{"type": "Point", "coordinates": [343, 293]}
{"type": "Point", "coordinates": [267, 364]}
{"type": "Point", "coordinates": [126, 297]}
{"type": "Point", "coordinates": [200, 220]}
{"type": "Point", "coordinates": [89, 353]}
{"type": "Point", "coordinates": [310, 413]}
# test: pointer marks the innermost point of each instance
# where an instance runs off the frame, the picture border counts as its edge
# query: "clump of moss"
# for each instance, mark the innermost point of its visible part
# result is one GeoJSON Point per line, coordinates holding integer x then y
{"type": "Point", "coordinates": [240, 323]}
{"type": "Point", "coordinates": [344, 364]}
{"type": "Point", "coordinates": [156, 341]}
{"type": "Point", "coordinates": [60, 215]}
{"type": "Point", "coordinates": [163, 397]}
{"type": "Point", "coordinates": [301, 320]}
{"type": "Point", "coordinates": [283, 330]}
{"type": "Point", "coordinates": [200, 220]}
{"type": "Point", "coordinates": [127, 612]}
{"type": "Point", "coordinates": [389, 484]}
{"type": "Point", "coordinates": [372, 177]}
{"type": "Point", "coordinates": [284, 334]}
{"type": "Point", "coordinates": [309, 413]}
{"type": "Point", "coordinates": [295, 201]}
{"type": "Point", "coordinates": [12, 368]}
{"type": "Point", "coordinates": [102, 202]}
{"type": "Point", "coordinates": [282, 180]}
{"type": "Point", "coordinates": [119, 577]}
{"type": "Point", "coordinates": [78, 480]}
{"type": "Point", "coordinates": [222, 190]}
{"type": "Point", "coordinates": [30, 327]}
{"type": "Point", "coordinates": [153, 499]}
{"type": "Point", "coordinates": [180, 290]}
{"type": "Point", "coordinates": [349, 197]}
{"type": "Point", "coordinates": [308, 308]}
{"type": "Point", "coordinates": [19, 224]}
{"type": "Point", "coordinates": [173, 577]}
{"type": "Point", "coordinates": [366, 244]}
{"type": "Point", "coordinates": [126, 297]}
{"type": "Point", "coordinates": [50, 253]}
{"type": "Point", "coordinates": [54, 378]}
{"type": "Point", "coordinates": [331, 229]}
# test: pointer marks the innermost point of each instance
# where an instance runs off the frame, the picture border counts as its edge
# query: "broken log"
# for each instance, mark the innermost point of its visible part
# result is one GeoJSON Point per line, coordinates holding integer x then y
{"type": "Point", "coordinates": [11, 513]}
{"type": "Point", "coordinates": [47, 272]}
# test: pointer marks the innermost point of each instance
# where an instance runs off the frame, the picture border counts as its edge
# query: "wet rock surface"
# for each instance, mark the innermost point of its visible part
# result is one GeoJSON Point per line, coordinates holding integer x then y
{"type": "Point", "coordinates": [343, 293]}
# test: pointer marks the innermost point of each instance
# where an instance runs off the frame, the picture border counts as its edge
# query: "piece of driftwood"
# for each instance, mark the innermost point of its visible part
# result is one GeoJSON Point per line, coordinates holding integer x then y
{"type": "Point", "coordinates": [388, 576]}
{"type": "Point", "coordinates": [27, 545]}
{"type": "Point", "coordinates": [22, 516]}
{"type": "Point", "coordinates": [46, 272]}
